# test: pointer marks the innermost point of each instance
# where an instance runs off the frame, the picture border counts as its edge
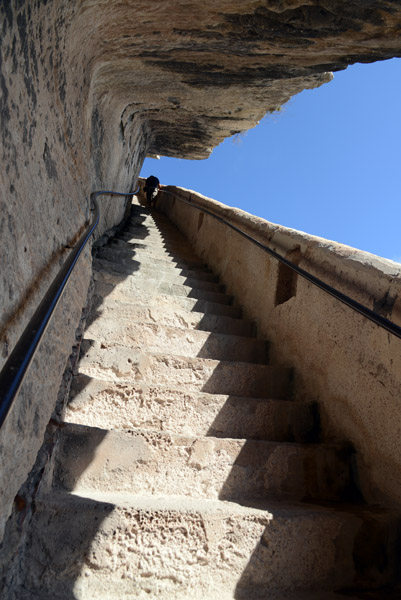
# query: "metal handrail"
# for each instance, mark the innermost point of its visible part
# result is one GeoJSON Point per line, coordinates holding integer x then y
{"type": "Point", "coordinates": [386, 324]}
{"type": "Point", "coordinates": [17, 365]}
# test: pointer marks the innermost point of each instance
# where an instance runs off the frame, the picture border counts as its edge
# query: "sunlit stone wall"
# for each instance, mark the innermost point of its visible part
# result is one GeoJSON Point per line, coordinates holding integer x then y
{"type": "Point", "coordinates": [348, 365]}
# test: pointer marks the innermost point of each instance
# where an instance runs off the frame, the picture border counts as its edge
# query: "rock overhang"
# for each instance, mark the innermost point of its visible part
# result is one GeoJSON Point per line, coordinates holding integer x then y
{"type": "Point", "coordinates": [194, 74]}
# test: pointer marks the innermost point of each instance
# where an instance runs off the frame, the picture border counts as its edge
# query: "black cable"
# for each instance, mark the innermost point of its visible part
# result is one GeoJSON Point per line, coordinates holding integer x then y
{"type": "Point", "coordinates": [14, 370]}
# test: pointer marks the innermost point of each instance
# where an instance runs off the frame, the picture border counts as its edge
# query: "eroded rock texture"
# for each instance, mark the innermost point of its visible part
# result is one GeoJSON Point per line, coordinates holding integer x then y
{"type": "Point", "coordinates": [199, 72]}
{"type": "Point", "coordinates": [88, 87]}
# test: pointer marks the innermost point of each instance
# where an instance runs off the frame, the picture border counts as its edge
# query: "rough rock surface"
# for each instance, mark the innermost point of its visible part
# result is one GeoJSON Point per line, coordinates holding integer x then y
{"type": "Point", "coordinates": [198, 72]}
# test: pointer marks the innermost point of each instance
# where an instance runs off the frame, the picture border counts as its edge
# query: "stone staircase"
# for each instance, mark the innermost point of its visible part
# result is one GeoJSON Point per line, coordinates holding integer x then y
{"type": "Point", "coordinates": [184, 470]}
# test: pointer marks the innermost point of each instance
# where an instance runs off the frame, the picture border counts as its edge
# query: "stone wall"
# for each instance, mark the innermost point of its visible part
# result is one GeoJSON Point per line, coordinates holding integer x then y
{"type": "Point", "coordinates": [54, 151]}
{"type": "Point", "coordinates": [348, 365]}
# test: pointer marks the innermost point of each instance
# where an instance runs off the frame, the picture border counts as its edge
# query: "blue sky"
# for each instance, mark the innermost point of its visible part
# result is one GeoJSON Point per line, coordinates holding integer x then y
{"type": "Point", "coordinates": [327, 164]}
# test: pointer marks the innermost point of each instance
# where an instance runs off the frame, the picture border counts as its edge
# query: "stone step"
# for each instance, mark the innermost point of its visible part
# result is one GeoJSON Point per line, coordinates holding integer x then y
{"type": "Point", "coordinates": [150, 221]}
{"type": "Point", "coordinates": [107, 404]}
{"type": "Point", "coordinates": [154, 220]}
{"type": "Point", "coordinates": [116, 546]}
{"type": "Point", "coordinates": [169, 263]}
{"type": "Point", "coordinates": [140, 213]}
{"type": "Point", "coordinates": [158, 241]}
{"type": "Point", "coordinates": [117, 294]}
{"type": "Point", "coordinates": [153, 463]}
{"type": "Point", "coordinates": [387, 592]}
{"type": "Point", "coordinates": [153, 311]}
{"type": "Point", "coordinates": [150, 265]}
{"type": "Point", "coordinates": [133, 269]}
{"type": "Point", "coordinates": [146, 251]}
{"type": "Point", "coordinates": [161, 229]}
{"type": "Point", "coordinates": [178, 253]}
{"type": "Point", "coordinates": [152, 337]}
{"type": "Point", "coordinates": [142, 250]}
{"type": "Point", "coordinates": [132, 285]}
{"type": "Point", "coordinates": [163, 233]}
{"type": "Point", "coordinates": [159, 222]}
{"type": "Point", "coordinates": [112, 362]}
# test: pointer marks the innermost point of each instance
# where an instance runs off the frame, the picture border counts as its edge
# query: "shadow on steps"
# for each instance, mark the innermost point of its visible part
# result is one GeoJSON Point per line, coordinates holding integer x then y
{"type": "Point", "coordinates": [63, 546]}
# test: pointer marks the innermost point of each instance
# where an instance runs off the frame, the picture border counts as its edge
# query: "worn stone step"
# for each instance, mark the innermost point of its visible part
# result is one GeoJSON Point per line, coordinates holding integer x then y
{"type": "Point", "coordinates": [146, 250]}
{"type": "Point", "coordinates": [112, 295]}
{"type": "Point", "coordinates": [171, 316]}
{"type": "Point", "coordinates": [387, 592]}
{"type": "Point", "coordinates": [153, 337]}
{"type": "Point", "coordinates": [162, 229]}
{"type": "Point", "coordinates": [139, 213]}
{"type": "Point", "coordinates": [153, 220]}
{"type": "Point", "coordinates": [112, 405]}
{"type": "Point", "coordinates": [132, 285]}
{"type": "Point", "coordinates": [151, 265]}
{"type": "Point", "coordinates": [147, 462]}
{"type": "Point", "coordinates": [159, 220]}
{"type": "Point", "coordinates": [179, 254]}
{"type": "Point", "coordinates": [160, 242]}
{"type": "Point", "coordinates": [150, 221]}
{"type": "Point", "coordinates": [156, 220]}
{"type": "Point", "coordinates": [156, 229]}
{"type": "Point", "coordinates": [157, 241]}
{"type": "Point", "coordinates": [168, 234]}
{"type": "Point", "coordinates": [112, 362]}
{"type": "Point", "coordinates": [116, 546]}
{"type": "Point", "coordinates": [161, 233]}
{"type": "Point", "coordinates": [133, 269]}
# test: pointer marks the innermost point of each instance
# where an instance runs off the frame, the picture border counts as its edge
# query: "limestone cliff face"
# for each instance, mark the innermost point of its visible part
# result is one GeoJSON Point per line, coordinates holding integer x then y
{"type": "Point", "coordinates": [88, 87]}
